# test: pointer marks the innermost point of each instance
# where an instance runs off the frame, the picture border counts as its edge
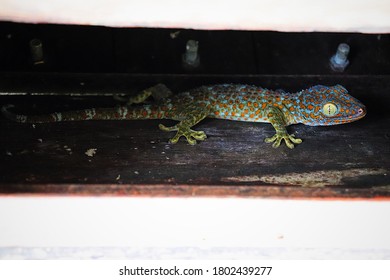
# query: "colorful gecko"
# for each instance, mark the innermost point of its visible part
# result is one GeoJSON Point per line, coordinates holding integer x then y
{"type": "Point", "coordinates": [318, 105]}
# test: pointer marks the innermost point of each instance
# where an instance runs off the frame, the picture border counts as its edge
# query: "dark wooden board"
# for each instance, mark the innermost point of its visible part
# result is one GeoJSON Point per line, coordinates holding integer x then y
{"type": "Point", "coordinates": [133, 157]}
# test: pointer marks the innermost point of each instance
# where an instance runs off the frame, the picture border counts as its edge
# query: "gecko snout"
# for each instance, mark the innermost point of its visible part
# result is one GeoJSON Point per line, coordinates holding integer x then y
{"type": "Point", "coordinates": [361, 112]}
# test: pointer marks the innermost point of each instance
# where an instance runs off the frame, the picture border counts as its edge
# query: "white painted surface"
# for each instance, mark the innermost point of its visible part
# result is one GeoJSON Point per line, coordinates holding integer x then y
{"type": "Point", "coordinates": [372, 16]}
{"type": "Point", "coordinates": [300, 226]}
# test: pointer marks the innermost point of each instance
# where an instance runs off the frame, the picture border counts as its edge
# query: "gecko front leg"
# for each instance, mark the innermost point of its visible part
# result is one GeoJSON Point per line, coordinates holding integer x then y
{"type": "Point", "coordinates": [276, 118]}
{"type": "Point", "coordinates": [190, 117]}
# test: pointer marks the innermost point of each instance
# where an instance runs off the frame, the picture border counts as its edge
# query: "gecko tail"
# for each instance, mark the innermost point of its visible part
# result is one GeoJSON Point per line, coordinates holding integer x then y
{"type": "Point", "coordinates": [11, 116]}
{"type": "Point", "coordinates": [24, 118]}
{"type": "Point", "coordinates": [117, 113]}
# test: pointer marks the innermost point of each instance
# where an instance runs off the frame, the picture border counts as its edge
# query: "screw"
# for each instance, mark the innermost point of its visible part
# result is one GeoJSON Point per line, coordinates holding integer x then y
{"type": "Point", "coordinates": [340, 61]}
{"type": "Point", "coordinates": [36, 51]}
{"type": "Point", "coordinates": [191, 57]}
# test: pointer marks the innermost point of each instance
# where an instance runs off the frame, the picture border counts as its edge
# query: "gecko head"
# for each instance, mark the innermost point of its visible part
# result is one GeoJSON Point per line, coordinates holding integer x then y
{"type": "Point", "coordinates": [321, 105]}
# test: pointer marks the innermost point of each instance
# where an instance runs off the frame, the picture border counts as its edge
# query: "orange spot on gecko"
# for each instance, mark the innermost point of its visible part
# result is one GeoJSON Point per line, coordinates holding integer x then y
{"type": "Point", "coordinates": [216, 113]}
{"type": "Point", "coordinates": [241, 106]}
{"type": "Point", "coordinates": [263, 105]}
{"type": "Point", "coordinates": [310, 107]}
{"type": "Point", "coordinates": [249, 104]}
{"type": "Point", "coordinates": [252, 116]}
{"type": "Point", "coordinates": [292, 108]}
{"type": "Point", "coordinates": [256, 104]}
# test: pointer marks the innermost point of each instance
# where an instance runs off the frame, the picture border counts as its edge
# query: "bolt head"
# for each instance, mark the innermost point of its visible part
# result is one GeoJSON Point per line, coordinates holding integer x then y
{"type": "Point", "coordinates": [337, 65]}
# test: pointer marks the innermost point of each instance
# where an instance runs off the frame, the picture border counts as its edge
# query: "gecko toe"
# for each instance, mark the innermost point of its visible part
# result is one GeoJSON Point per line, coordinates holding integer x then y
{"type": "Point", "coordinates": [190, 140]}
{"type": "Point", "coordinates": [198, 135]}
{"type": "Point", "coordinates": [294, 140]}
{"type": "Point", "coordinates": [288, 143]}
{"type": "Point", "coordinates": [167, 128]}
{"type": "Point", "coordinates": [270, 139]}
{"type": "Point", "coordinates": [290, 140]}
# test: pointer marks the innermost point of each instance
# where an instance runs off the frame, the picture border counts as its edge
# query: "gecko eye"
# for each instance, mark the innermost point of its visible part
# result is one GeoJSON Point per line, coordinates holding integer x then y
{"type": "Point", "coordinates": [329, 109]}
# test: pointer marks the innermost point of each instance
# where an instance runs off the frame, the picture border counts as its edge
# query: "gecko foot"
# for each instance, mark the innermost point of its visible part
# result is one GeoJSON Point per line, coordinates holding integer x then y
{"type": "Point", "coordinates": [289, 139]}
{"type": "Point", "coordinates": [189, 134]}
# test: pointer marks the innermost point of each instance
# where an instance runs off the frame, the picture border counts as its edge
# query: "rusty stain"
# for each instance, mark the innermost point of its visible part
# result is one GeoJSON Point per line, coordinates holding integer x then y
{"type": "Point", "coordinates": [166, 190]}
{"type": "Point", "coordinates": [309, 179]}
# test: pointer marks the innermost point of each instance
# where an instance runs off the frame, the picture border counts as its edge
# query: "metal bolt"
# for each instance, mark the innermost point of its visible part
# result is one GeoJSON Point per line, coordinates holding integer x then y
{"type": "Point", "coordinates": [36, 51]}
{"type": "Point", "coordinates": [191, 57]}
{"type": "Point", "coordinates": [340, 61]}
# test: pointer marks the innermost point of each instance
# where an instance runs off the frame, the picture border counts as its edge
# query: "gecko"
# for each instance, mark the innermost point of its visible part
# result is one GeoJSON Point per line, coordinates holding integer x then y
{"type": "Point", "coordinates": [316, 106]}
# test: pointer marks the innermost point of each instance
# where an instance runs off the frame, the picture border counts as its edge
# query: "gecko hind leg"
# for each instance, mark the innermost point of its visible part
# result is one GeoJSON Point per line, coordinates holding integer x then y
{"type": "Point", "coordinates": [159, 92]}
{"type": "Point", "coordinates": [184, 128]}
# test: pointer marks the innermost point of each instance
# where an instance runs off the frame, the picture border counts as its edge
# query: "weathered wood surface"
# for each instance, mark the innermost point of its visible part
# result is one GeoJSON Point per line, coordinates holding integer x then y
{"type": "Point", "coordinates": [133, 157]}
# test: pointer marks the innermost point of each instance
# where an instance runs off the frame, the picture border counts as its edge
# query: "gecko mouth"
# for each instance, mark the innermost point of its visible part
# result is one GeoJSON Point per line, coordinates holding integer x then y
{"type": "Point", "coordinates": [361, 112]}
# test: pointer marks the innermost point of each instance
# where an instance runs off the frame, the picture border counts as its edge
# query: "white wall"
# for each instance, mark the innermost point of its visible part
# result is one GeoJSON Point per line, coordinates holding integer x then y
{"type": "Point", "coordinates": [371, 16]}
